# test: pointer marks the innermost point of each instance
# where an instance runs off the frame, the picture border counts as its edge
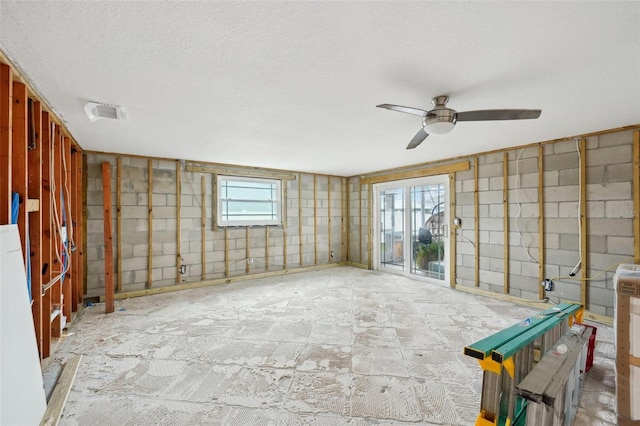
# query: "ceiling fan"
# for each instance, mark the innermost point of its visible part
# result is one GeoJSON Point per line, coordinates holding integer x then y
{"type": "Point", "coordinates": [441, 120]}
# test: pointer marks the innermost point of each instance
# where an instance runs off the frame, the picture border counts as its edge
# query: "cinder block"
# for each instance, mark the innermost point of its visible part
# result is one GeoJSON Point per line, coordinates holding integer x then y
{"type": "Point", "coordinates": [490, 170]}
{"type": "Point", "coordinates": [561, 193]}
{"type": "Point", "coordinates": [496, 265]}
{"type": "Point", "coordinates": [564, 161]}
{"type": "Point", "coordinates": [529, 269]}
{"type": "Point", "coordinates": [568, 209]}
{"type": "Point", "coordinates": [515, 268]}
{"type": "Point", "coordinates": [134, 263]}
{"type": "Point", "coordinates": [491, 224]}
{"type": "Point", "coordinates": [524, 195]}
{"type": "Point", "coordinates": [615, 138]}
{"type": "Point", "coordinates": [595, 209]}
{"type": "Point", "coordinates": [561, 225]}
{"type": "Point", "coordinates": [496, 237]}
{"type": "Point", "coordinates": [524, 165]}
{"type": "Point", "coordinates": [611, 191]}
{"type": "Point", "coordinates": [619, 209]}
{"type": "Point", "coordinates": [610, 155]}
{"type": "Point", "coordinates": [562, 257]}
{"type": "Point", "coordinates": [613, 227]}
{"type": "Point", "coordinates": [620, 245]}
{"type": "Point", "coordinates": [551, 210]}
{"type": "Point", "coordinates": [551, 178]}
{"type": "Point", "coordinates": [564, 147]}
{"type": "Point", "coordinates": [524, 210]}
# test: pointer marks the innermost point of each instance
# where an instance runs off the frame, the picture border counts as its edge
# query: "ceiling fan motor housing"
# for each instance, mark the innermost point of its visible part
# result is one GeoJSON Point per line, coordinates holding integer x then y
{"type": "Point", "coordinates": [439, 120]}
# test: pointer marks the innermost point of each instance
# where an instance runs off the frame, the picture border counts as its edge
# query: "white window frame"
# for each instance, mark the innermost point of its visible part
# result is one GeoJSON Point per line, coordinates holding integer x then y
{"type": "Point", "coordinates": [221, 179]}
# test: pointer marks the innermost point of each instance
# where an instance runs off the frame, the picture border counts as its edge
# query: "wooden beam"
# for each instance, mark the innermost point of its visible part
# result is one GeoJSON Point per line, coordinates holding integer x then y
{"type": "Point", "coordinates": [300, 216]}
{"type": "Point", "coordinates": [108, 238]}
{"type": "Point", "coordinates": [266, 248]}
{"type": "Point", "coordinates": [19, 160]}
{"type": "Point", "coordinates": [81, 244]}
{"type": "Point", "coordinates": [453, 234]}
{"type": "Point", "coordinates": [56, 217]}
{"type": "Point", "coordinates": [248, 250]}
{"type": "Point", "coordinates": [76, 209]}
{"type": "Point", "coordinates": [203, 224]}
{"type": "Point", "coordinates": [237, 171]}
{"type": "Point", "coordinates": [636, 196]}
{"type": "Point", "coordinates": [45, 256]}
{"type": "Point", "coordinates": [541, 235]}
{"type": "Point", "coordinates": [329, 219]}
{"type": "Point", "coordinates": [505, 219]}
{"type": "Point", "coordinates": [226, 252]}
{"type": "Point", "coordinates": [284, 224]}
{"type": "Point", "coordinates": [69, 281]}
{"type": "Point", "coordinates": [345, 220]}
{"type": "Point", "coordinates": [315, 220]}
{"type": "Point", "coordinates": [360, 232]}
{"type": "Point", "coordinates": [584, 229]}
{"type": "Point", "coordinates": [476, 209]}
{"type": "Point", "coordinates": [58, 399]}
{"type": "Point", "coordinates": [150, 219]}
{"type": "Point", "coordinates": [119, 223]}
{"type": "Point", "coordinates": [370, 225]}
{"type": "Point", "coordinates": [426, 171]}
{"type": "Point", "coordinates": [35, 218]}
{"type": "Point", "coordinates": [6, 121]}
{"type": "Point", "coordinates": [178, 222]}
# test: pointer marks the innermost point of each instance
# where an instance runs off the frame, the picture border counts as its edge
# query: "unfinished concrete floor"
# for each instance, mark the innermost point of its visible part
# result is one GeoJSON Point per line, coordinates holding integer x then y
{"type": "Point", "coordinates": [333, 347]}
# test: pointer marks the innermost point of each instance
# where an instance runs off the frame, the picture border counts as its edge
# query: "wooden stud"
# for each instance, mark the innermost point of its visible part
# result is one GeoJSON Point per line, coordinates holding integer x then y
{"type": "Point", "coordinates": [636, 196]}
{"type": "Point", "coordinates": [453, 233]}
{"type": "Point", "coordinates": [285, 201]}
{"type": "Point", "coordinates": [345, 226]}
{"type": "Point", "coordinates": [80, 228]}
{"type": "Point", "coordinates": [45, 210]}
{"type": "Point", "coordinates": [150, 222]}
{"type": "Point", "coordinates": [6, 117]}
{"type": "Point", "coordinates": [19, 159]}
{"type": "Point", "coordinates": [266, 248]}
{"type": "Point", "coordinates": [35, 219]}
{"type": "Point", "coordinates": [423, 172]}
{"type": "Point", "coordinates": [505, 219]}
{"type": "Point", "coordinates": [329, 219]}
{"type": "Point", "coordinates": [226, 252]}
{"type": "Point", "coordinates": [584, 229]}
{"type": "Point", "coordinates": [119, 223]}
{"type": "Point", "coordinates": [248, 250]}
{"type": "Point", "coordinates": [76, 209]}
{"type": "Point", "coordinates": [315, 220]}
{"type": "Point", "coordinates": [370, 224]}
{"type": "Point", "coordinates": [56, 289]}
{"type": "Point", "coordinates": [541, 261]}
{"type": "Point", "coordinates": [214, 201]}
{"type": "Point", "coordinates": [203, 224]}
{"type": "Point", "coordinates": [178, 221]}
{"type": "Point", "coordinates": [300, 216]}
{"type": "Point", "coordinates": [360, 257]}
{"type": "Point", "coordinates": [476, 209]}
{"type": "Point", "coordinates": [69, 281]}
{"type": "Point", "coordinates": [108, 238]}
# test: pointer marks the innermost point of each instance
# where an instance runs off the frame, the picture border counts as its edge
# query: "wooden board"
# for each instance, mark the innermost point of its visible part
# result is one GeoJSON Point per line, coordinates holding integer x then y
{"type": "Point", "coordinates": [60, 393]}
{"type": "Point", "coordinates": [119, 224]}
{"type": "Point", "coordinates": [150, 221]}
{"type": "Point", "coordinates": [6, 109]}
{"type": "Point", "coordinates": [505, 219]}
{"type": "Point", "coordinates": [108, 238]}
{"type": "Point", "coordinates": [178, 221]}
{"type": "Point", "coordinates": [19, 159]}
{"type": "Point", "coordinates": [476, 209]}
{"type": "Point", "coordinates": [422, 172]}
{"type": "Point", "coordinates": [584, 241]}
{"type": "Point", "coordinates": [69, 281]}
{"type": "Point", "coordinates": [541, 260]}
{"type": "Point", "coordinates": [45, 210]}
{"type": "Point", "coordinates": [453, 234]}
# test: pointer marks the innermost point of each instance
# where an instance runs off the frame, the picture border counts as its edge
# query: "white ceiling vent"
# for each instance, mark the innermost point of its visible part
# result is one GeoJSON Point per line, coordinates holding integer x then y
{"type": "Point", "coordinates": [95, 110]}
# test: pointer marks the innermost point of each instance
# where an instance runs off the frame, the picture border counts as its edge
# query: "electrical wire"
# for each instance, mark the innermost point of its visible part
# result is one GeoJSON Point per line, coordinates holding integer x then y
{"type": "Point", "coordinates": [577, 267]}
{"type": "Point", "coordinates": [526, 249]}
{"type": "Point", "coordinates": [594, 278]}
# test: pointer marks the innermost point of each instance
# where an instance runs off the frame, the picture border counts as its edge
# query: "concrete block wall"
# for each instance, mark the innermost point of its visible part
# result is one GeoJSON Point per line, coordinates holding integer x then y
{"type": "Point", "coordinates": [610, 215]}
{"type": "Point", "coordinates": [307, 204]}
{"type": "Point", "coordinates": [358, 221]}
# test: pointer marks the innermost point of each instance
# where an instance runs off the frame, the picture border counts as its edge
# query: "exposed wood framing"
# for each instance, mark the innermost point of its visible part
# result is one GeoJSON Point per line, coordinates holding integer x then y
{"type": "Point", "coordinates": [284, 224]}
{"type": "Point", "coordinates": [329, 219]}
{"type": "Point", "coordinates": [300, 236]}
{"type": "Point", "coordinates": [505, 219]}
{"type": "Point", "coordinates": [178, 222]}
{"type": "Point", "coordinates": [56, 245]}
{"type": "Point", "coordinates": [345, 220]}
{"type": "Point", "coordinates": [119, 224]}
{"type": "Point", "coordinates": [248, 250]}
{"type": "Point", "coordinates": [70, 280]}
{"type": "Point", "coordinates": [150, 223]}
{"type": "Point", "coordinates": [203, 224]}
{"type": "Point", "coordinates": [214, 201]}
{"type": "Point", "coordinates": [108, 238]}
{"type": "Point", "coordinates": [454, 233]}
{"type": "Point", "coordinates": [315, 220]}
{"type": "Point", "coordinates": [422, 172]}
{"type": "Point", "coordinates": [584, 240]}
{"type": "Point", "coordinates": [226, 252]}
{"type": "Point", "coordinates": [360, 257]}
{"type": "Point", "coordinates": [370, 224]}
{"type": "Point", "coordinates": [541, 261]}
{"type": "Point", "coordinates": [19, 160]}
{"type": "Point", "coordinates": [6, 109]}
{"type": "Point", "coordinates": [76, 209]}
{"type": "Point", "coordinates": [266, 248]}
{"type": "Point", "coordinates": [234, 171]}
{"type": "Point", "coordinates": [35, 219]}
{"type": "Point", "coordinates": [79, 180]}
{"type": "Point", "coordinates": [636, 196]}
{"type": "Point", "coordinates": [45, 256]}
{"type": "Point", "coordinates": [476, 210]}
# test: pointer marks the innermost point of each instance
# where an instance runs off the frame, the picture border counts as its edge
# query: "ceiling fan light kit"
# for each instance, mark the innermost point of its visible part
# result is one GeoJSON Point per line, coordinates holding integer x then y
{"type": "Point", "coordinates": [441, 120]}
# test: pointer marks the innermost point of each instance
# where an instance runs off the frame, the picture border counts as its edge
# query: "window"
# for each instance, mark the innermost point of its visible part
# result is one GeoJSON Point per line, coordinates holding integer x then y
{"type": "Point", "coordinates": [249, 201]}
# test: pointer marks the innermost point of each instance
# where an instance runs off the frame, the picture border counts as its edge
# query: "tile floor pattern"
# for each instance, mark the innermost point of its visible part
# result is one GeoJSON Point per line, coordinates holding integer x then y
{"type": "Point", "coordinates": [341, 346]}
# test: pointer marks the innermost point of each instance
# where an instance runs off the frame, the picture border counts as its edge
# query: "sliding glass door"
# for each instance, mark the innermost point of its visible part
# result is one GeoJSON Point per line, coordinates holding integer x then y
{"type": "Point", "coordinates": [412, 233]}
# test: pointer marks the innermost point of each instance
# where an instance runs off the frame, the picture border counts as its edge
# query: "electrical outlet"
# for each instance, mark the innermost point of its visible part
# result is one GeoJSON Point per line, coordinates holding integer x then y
{"type": "Point", "coordinates": [250, 261]}
{"type": "Point", "coordinates": [332, 254]}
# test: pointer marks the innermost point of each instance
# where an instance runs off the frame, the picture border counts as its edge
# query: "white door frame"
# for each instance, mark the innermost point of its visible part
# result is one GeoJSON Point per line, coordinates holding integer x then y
{"type": "Point", "coordinates": [407, 183]}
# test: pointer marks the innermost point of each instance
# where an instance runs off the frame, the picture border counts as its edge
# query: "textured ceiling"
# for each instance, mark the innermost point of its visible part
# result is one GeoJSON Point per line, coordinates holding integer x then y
{"type": "Point", "coordinates": [293, 85]}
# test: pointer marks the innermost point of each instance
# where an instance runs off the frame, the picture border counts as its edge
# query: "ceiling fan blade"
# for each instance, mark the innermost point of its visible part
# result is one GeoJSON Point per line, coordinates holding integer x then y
{"type": "Point", "coordinates": [498, 114]}
{"type": "Point", "coordinates": [408, 110]}
{"type": "Point", "coordinates": [417, 139]}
